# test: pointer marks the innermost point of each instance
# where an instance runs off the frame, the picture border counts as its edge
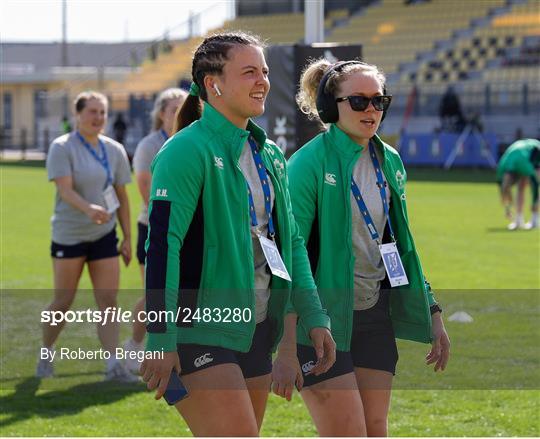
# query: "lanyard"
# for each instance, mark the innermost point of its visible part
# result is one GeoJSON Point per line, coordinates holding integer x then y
{"type": "Point", "coordinates": [382, 191]}
{"type": "Point", "coordinates": [261, 170]}
{"type": "Point", "coordinates": [164, 134]}
{"type": "Point", "coordinates": [103, 160]}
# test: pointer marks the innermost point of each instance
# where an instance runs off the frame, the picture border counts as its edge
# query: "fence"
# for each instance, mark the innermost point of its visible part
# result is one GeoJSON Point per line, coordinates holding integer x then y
{"type": "Point", "coordinates": [480, 98]}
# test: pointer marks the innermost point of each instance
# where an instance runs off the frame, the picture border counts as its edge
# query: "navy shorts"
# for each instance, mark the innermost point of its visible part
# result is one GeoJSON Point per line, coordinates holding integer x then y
{"type": "Point", "coordinates": [373, 345]}
{"type": "Point", "coordinates": [105, 247]}
{"type": "Point", "coordinates": [142, 233]}
{"type": "Point", "coordinates": [256, 362]}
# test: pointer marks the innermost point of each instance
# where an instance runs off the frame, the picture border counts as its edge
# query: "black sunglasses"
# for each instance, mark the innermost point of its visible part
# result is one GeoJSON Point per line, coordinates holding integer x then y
{"type": "Point", "coordinates": [360, 103]}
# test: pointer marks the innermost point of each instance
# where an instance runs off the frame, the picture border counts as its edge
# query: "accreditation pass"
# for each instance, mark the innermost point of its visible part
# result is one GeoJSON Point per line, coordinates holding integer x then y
{"type": "Point", "coordinates": [273, 258]}
{"type": "Point", "coordinates": [111, 200]}
{"type": "Point", "coordinates": [393, 265]}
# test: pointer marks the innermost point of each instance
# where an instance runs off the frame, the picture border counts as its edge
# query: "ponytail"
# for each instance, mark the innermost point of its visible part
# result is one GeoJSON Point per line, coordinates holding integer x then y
{"type": "Point", "coordinates": [189, 112]}
{"type": "Point", "coordinates": [309, 83]}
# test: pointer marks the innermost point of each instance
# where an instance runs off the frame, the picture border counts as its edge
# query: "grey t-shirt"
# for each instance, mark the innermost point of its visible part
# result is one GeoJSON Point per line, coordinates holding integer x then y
{"type": "Point", "coordinates": [68, 157]}
{"type": "Point", "coordinates": [262, 274]}
{"type": "Point", "coordinates": [145, 152]}
{"type": "Point", "coordinates": [368, 267]}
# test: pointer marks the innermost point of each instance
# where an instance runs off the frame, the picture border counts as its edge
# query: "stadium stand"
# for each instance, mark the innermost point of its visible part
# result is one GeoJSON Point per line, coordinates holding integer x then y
{"type": "Point", "coordinates": [390, 33]}
{"type": "Point", "coordinates": [168, 68]}
{"type": "Point", "coordinates": [489, 51]}
{"type": "Point", "coordinates": [158, 74]}
{"type": "Point", "coordinates": [394, 33]}
{"type": "Point", "coordinates": [512, 39]}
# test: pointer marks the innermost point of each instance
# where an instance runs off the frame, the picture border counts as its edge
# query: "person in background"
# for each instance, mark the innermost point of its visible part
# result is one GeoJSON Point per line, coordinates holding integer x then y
{"type": "Point", "coordinates": [519, 165]}
{"type": "Point", "coordinates": [348, 196]}
{"type": "Point", "coordinates": [163, 117]}
{"type": "Point", "coordinates": [219, 194]}
{"type": "Point", "coordinates": [119, 128]}
{"type": "Point", "coordinates": [90, 172]}
{"type": "Point", "coordinates": [450, 113]}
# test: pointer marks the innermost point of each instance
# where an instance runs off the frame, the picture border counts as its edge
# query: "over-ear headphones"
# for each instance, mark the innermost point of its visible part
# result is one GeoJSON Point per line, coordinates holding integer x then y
{"type": "Point", "coordinates": [326, 102]}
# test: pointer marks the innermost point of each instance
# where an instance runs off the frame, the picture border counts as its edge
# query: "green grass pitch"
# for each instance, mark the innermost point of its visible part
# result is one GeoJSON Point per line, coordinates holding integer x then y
{"type": "Point", "coordinates": [490, 388]}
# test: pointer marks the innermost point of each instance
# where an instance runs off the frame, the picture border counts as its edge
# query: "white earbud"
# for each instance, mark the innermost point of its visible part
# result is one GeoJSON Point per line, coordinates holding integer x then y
{"type": "Point", "coordinates": [218, 91]}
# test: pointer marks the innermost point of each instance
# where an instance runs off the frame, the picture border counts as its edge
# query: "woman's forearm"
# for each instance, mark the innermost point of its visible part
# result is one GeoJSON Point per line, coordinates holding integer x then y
{"type": "Point", "coordinates": [288, 341]}
{"type": "Point", "coordinates": [123, 211]}
{"type": "Point", "coordinates": [74, 199]}
{"type": "Point", "coordinates": [144, 181]}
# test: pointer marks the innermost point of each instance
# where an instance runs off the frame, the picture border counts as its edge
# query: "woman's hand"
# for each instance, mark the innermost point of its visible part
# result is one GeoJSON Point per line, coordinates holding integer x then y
{"type": "Point", "coordinates": [97, 214]}
{"type": "Point", "coordinates": [125, 250]}
{"type": "Point", "coordinates": [286, 374]}
{"type": "Point", "coordinates": [440, 346]}
{"type": "Point", "coordinates": [325, 348]}
{"type": "Point", "coordinates": [156, 373]}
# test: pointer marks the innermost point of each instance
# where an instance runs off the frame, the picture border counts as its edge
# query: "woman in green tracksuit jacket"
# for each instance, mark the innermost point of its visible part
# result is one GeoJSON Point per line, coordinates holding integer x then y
{"type": "Point", "coordinates": [520, 163]}
{"type": "Point", "coordinates": [206, 271]}
{"type": "Point", "coordinates": [337, 199]}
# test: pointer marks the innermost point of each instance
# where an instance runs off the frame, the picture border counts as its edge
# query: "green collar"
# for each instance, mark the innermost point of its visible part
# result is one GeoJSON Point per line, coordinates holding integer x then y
{"type": "Point", "coordinates": [215, 121]}
{"type": "Point", "coordinates": [344, 144]}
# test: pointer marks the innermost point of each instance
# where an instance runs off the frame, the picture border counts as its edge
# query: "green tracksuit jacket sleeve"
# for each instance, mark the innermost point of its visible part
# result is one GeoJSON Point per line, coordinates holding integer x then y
{"type": "Point", "coordinates": [303, 194]}
{"type": "Point", "coordinates": [304, 294]}
{"type": "Point", "coordinates": [176, 184]}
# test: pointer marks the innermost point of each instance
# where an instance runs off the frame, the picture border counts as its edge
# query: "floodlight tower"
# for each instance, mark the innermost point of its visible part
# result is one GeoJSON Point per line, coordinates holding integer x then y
{"type": "Point", "coordinates": [64, 34]}
{"type": "Point", "coordinates": [314, 21]}
{"type": "Point", "coordinates": [64, 56]}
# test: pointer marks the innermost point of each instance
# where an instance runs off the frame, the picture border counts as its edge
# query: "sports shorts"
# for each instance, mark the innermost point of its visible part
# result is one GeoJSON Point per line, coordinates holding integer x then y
{"type": "Point", "coordinates": [373, 345]}
{"type": "Point", "coordinates": [256, 362]}
{"type": "Point", "coordinates": [105, 247]}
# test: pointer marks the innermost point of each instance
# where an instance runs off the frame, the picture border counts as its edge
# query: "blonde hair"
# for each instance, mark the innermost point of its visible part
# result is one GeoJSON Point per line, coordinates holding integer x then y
{"type": "Point", "coordinates": [82, 98]}
{"type": "Point", "coordinates": [161, 103]}
{"type": "Point", "coordinates": [312, 75]}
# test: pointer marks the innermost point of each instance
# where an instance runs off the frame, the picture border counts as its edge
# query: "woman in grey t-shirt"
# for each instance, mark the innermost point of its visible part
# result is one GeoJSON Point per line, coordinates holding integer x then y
{"type": "Point", "coordinates": [163, 117]}
{"type": "Point", "coordinates": [90, 172]}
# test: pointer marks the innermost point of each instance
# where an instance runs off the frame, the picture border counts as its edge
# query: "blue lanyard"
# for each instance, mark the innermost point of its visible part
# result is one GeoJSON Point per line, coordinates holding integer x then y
{"type": "Point", "coordinates": [103, 160]}
{"type": "Point", "coordinates": [261, 170]}
{"type": "Point", "coordinates": [382, 191]}
{"type": "Point", "coordinates": [164, 134]}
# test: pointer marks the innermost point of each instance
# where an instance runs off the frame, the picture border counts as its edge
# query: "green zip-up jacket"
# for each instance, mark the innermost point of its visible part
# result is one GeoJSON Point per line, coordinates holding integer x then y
{"type": "Point", "coordinates": [199, 246]}
{"type": "Point", "coordinates": [320, 184]}
{"type": "Point", "coordinates": [523, 158]}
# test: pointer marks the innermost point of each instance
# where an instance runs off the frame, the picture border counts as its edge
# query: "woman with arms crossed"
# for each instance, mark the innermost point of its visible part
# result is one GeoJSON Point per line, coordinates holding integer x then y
{"type": "Point", "coordinates": [219, 193]}
{"type": "Point", "coordinates": [348, 195]}
{"type": "Point", "coordinates": [90, 171]}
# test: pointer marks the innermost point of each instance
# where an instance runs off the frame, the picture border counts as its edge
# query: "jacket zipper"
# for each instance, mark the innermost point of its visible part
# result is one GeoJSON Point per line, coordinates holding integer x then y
{"type": "Point", "coordinates": [350, 295]}
{"type": "Point", "coordinates": [247, 240]}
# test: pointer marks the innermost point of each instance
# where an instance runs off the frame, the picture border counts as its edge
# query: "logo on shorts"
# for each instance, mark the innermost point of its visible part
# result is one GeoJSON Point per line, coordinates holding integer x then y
{"type": "Point", "coordinates": [202, 360]}
{"type": "Point", "coordinates": [330, 179]}
{"type": "Point", "coordinates": [218, 161]}
{"type": "Point", "coordinates": [60, 254]}
{"type": "Point", "coordinates": [161, 193]}
{"type": "Point", "coordinates": [308, 366]}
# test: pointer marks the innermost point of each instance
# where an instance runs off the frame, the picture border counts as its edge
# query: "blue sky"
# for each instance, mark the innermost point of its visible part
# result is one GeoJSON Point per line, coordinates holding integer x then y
{"type": "Point", "coordinates": [105, 20]}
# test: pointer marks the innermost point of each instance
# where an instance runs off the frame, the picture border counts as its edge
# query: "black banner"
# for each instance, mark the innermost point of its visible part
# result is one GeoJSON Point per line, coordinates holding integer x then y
{"type": "Point", "coordinates": [287, 125]}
